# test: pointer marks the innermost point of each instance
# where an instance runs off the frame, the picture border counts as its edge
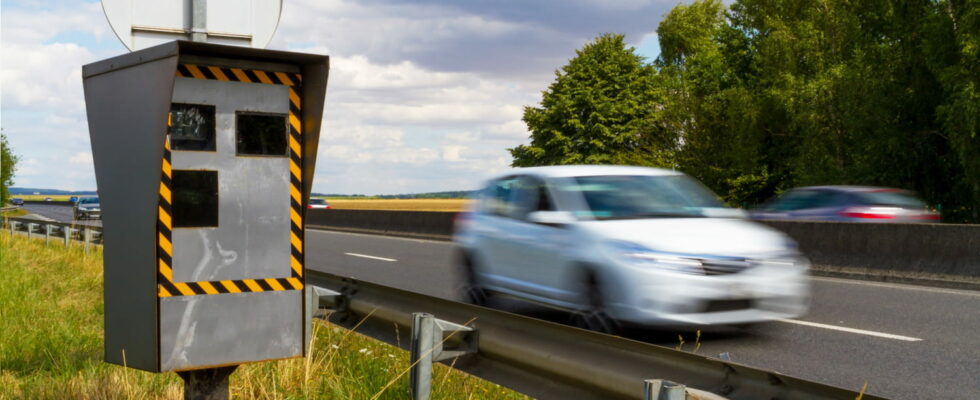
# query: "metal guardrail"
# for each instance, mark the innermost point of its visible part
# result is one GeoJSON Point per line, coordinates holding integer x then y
{"type": "Point", "coordinates": [535, 357]}
{"type": "Point", "coordinates": [544, 359]}
{"type": "Point", "coordinates": [48, 230]}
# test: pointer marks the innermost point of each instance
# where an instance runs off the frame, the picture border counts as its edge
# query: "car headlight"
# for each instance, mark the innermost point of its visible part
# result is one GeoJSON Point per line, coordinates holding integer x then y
{"type": "Point", "coordinates": [641, 255]}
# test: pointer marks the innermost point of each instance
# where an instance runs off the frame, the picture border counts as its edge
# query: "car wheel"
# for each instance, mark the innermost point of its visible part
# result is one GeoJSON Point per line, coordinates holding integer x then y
{"type": "Point", "coordinates": [473, 291]}
{"type": "Point", "coordinates": [594, 316]}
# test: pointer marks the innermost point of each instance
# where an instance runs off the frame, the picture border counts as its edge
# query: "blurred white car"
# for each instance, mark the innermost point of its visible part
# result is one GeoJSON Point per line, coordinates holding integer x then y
{"type": "Point", "coordinates": [627, 245]}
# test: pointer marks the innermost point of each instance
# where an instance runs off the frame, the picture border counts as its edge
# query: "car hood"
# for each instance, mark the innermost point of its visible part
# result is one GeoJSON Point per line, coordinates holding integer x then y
{"type": "Point", "coordinates": [696, 236]}
{"type": "Point", "coordinates": [90, 205]}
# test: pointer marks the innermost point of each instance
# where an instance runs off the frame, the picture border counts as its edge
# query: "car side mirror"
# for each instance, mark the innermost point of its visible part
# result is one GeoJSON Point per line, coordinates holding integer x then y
{"type": "Point", "coordinates": [725, 213]}
{"type": "Point", "coordinates": [552, 218]}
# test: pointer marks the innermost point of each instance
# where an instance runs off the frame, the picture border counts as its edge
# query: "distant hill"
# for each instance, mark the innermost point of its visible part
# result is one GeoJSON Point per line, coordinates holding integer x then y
{"type": "Point", "coordinates": [457, 194]}
{"type": "Point", "coordinates": [22, 191]}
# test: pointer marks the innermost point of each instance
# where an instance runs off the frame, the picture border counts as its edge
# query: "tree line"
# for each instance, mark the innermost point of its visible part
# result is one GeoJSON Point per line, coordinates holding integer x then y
{"type": "Point", "coordinates": [765, 95]}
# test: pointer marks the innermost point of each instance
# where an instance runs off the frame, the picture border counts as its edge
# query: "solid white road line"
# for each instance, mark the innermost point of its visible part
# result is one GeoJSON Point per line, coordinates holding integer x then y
{"type": "Point", "coordinates": [371, 257]}
{"type": "Point", "coordinates": [851, 330]}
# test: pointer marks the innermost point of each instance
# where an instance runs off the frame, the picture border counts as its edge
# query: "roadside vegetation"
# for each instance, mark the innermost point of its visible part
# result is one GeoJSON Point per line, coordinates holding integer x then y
{"type": "Point", "coordinates": [51, 345]}
{"type": "Point", "coordinates": [756, 97]}
{"type": "Point", "coordinates": [17, 212]}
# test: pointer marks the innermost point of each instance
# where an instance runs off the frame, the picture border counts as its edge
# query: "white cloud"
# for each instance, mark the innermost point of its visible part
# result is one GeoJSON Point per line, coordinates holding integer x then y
{"type": "Point", "coordinates": [84, 158]}
{"type": "Point", "coordinates": [423, 95]}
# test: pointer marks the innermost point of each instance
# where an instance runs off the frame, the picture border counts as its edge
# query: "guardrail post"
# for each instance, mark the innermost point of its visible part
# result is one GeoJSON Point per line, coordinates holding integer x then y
{"type": "Point", "coordinates": [47, 234]}
{"type": "Point", "coordinates": [318, 302]}
{"type": "Point", "coordinates": [658, 389]}
{"type": "Point", "coordinates": [66, 231]}
{"type": "Point", "coordinates": [428, 338]}
{"type": "Point", "coordinates": [86, 237]}
{"type": "Point", "coordinates": [30, 230]}
{"type": "Point", "coordinates": [420, 376]}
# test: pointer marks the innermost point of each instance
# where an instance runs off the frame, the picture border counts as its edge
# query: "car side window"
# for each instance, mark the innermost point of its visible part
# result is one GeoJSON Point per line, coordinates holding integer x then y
{"type": "Point", "coordinates": [530, 194]}
{"type": "Point", "coordinates": [497, 196]}
{"type": "Point", "coordinates": [795, 200]}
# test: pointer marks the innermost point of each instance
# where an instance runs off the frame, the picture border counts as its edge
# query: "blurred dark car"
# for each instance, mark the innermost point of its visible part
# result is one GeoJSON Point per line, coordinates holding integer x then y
{"type": "Point", "coordinates": [848, 204]}
{"type": "Point", "coordinates": [17, 201]}
{"type": "Point", "coordinates": [73, 199]}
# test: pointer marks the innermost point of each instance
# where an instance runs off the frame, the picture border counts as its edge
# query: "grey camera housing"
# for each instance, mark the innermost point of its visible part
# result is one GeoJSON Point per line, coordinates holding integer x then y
{"type": "Point", "coordinates": [195, 290]}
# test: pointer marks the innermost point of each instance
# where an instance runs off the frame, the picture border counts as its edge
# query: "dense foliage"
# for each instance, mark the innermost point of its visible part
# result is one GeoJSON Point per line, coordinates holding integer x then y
{"type": "Point", "coordinates": [767, 95]}
{"type": "Point", "coordinates": [8, 165]}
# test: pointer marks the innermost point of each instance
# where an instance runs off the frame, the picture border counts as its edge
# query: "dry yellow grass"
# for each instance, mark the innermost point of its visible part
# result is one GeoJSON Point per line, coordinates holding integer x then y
{"type": "Point", "coordinates": [449, 205]}
{"type": "Point", "coordinates": [41, 197]}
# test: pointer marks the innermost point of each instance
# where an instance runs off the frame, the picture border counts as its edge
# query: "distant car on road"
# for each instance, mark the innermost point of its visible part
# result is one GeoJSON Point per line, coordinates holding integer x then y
{"type": "Point", "coordinates": [318, 204]}
{"type": "Point", "coordinates": [847, 204]}
{"type": "Point", "coordinates": [48, 199]}
{"type": "Point", "coordinates": [73, 199]}
{"type": "Point", "coordinates": [626, 244]}
{"type": "Point", "coordinates": [17, 201]}
{"type": "Point", "coordinates": [88, 208]}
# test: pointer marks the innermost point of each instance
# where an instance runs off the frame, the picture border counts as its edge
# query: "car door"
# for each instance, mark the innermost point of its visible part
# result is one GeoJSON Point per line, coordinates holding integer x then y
{"type": "Point", "coordinates": [493, 226]}
{"type": "Point", "coordinates": [539, 251]}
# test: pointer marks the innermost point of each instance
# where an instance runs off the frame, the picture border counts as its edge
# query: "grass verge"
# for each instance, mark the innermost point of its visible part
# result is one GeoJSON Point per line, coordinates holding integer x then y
{"type": "Point", "coordinates": [17, 212]}
{"type": "Point", "coordinates": [51, 345]}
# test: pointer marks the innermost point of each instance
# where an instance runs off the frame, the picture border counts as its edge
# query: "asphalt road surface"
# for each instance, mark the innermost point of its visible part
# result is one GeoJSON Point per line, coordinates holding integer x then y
{"type": "Point", "coordinates": [906, 342]}
{"type": "Point", "coordinates": [60, 213]}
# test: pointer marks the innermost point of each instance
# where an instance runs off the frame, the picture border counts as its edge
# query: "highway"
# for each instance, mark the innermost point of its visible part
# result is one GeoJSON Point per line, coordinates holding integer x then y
{"type": "Point", "coordinates": [58, 212]}
{"type": "Point", "coordinates": [906, 342]}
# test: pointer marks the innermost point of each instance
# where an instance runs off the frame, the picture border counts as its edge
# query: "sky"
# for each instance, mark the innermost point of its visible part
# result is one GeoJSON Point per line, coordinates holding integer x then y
{"type": "Point", "coordinates": [423, 95]}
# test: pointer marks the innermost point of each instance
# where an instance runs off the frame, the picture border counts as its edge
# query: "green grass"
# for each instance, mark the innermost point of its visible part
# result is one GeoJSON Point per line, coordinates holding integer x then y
{"type": "Point", "coordinates": [51, 345]}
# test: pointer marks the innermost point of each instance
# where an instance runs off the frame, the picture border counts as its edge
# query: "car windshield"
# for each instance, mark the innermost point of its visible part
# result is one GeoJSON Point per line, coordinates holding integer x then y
{"type": "Point", "coordinates": [318, 201]}
{"type": "Point", "coordinates": [641, 196]}
{"type": "Point", "coordinates": [89, 200]}
{"type": "Point", "coordinates": [895, 198]}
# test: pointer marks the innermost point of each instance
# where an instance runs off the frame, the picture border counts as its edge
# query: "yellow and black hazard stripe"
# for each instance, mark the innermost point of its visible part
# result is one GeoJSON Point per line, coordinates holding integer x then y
{"type": "Point", "coordinates": [239, 75]}
{"type": "Point", "coordinates": [166, 285]}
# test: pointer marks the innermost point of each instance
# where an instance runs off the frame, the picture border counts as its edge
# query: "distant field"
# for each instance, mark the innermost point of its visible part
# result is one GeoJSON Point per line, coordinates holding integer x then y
{"type": "Point", "coordinates": [449, 205]}
{"type": "Point", "coordinates": [40, 197]}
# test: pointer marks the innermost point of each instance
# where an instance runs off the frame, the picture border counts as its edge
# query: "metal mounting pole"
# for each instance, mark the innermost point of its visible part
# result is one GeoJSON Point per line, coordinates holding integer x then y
{"type": "Point", "coordinates": [428, 340]}
{"type": "Point", "coordinates": [206, 384]}
{"type": "Point", "coordinates": [199, 21]}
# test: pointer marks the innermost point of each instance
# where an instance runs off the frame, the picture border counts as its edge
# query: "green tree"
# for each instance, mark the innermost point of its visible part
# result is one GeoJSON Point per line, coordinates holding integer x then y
{"type": "Point", "coordinates": [597, 111]}
{"type": "Point", "coordinates": [769, 95]}
{"type": "Point", "coordinates": [8, 165]}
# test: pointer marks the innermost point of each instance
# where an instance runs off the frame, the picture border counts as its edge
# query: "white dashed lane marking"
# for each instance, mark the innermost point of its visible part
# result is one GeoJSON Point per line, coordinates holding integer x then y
{"type": "Point", "coordinates": [371, 257]}
{"type": "Point", "coordinates": [851, 330]}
